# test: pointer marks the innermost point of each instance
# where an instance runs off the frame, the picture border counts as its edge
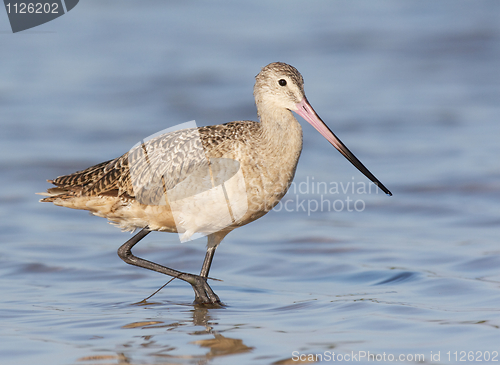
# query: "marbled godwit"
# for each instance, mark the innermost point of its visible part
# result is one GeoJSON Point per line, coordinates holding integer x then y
{"type": "Point", "coordinates": [267, 154]}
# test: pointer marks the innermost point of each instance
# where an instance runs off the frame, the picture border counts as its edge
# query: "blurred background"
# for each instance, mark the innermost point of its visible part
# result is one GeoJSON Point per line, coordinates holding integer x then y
{"type": "Point", "coordinates": [411, 87]}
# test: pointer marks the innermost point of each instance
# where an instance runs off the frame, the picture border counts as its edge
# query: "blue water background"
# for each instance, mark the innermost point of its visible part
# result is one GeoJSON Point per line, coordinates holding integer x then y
{"type": "Point", "coordinates": [411, 87]}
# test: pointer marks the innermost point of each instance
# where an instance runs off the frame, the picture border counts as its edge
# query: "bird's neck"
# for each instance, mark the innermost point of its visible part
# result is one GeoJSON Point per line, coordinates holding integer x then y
{"type": "Point", "coordinates": [281, 131]}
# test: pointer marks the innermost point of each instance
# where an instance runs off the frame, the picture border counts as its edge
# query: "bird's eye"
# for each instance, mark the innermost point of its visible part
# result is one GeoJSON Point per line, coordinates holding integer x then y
{"type": "Point", "coordinates": [282, 82]}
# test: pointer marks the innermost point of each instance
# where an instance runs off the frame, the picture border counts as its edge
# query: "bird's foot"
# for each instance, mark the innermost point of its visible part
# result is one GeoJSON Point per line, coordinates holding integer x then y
{"type": "Point", "coordinates": [204, 294]}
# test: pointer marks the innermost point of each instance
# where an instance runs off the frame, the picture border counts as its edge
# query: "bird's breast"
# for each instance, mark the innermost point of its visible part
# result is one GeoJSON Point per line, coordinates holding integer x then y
{"type": "Point", "coordinates": [267, 173]}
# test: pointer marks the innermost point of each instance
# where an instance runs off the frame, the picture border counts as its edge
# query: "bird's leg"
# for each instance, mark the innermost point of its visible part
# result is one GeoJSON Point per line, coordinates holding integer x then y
{"type": "Point", "coordinates": [213, 241]}
{"type": "Point", "coordinates": [202, 278]}
{"type": "Point", "coordinates": [126, 255]}
{"type": "Point", "coordinates": [207, 262]}
{"type": "Point", "coordinates": [203, 293]}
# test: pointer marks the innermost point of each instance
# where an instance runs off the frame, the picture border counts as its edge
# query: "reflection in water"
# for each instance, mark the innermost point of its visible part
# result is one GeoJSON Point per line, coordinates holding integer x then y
{"type": "Point", "coordinates": [219, 345]}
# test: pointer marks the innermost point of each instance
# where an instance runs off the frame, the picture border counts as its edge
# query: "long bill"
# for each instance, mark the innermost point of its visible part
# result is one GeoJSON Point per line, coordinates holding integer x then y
{"type": "Point", "coordinates": [305, 110]}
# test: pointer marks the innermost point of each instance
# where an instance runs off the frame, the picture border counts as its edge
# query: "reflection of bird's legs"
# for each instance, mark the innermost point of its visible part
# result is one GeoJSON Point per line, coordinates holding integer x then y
{"type": "Point", "coordinates": [203, 293]}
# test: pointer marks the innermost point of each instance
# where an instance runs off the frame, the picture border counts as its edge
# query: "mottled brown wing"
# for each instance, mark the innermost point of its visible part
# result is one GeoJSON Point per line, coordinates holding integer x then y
{"type": "Point", "coordinates": [148, 169]}
{"type": "Point", "coordinates": [159, 164]}
{"type": "Point", "coordinates": [153, 166]}
{"type": "Point", "coordinates": [81, 178]}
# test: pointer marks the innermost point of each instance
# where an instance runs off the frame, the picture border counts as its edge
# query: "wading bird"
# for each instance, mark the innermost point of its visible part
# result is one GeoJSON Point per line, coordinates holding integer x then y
{"type": "Point", "coordinates": [206, 180]}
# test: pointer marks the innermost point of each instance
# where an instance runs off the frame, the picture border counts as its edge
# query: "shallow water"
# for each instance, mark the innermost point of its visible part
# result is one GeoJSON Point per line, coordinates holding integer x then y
{"type": "Point", "coordinates": [411, 87]}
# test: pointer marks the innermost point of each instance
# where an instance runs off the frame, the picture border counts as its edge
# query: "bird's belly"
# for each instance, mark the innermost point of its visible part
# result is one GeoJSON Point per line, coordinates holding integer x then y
{"type": "Point", "coordinates": [126, 214]}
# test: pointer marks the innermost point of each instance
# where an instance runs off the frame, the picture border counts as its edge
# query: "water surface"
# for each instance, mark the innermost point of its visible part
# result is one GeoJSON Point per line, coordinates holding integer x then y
{"type": "Point", "coordinates": [411, 87]}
